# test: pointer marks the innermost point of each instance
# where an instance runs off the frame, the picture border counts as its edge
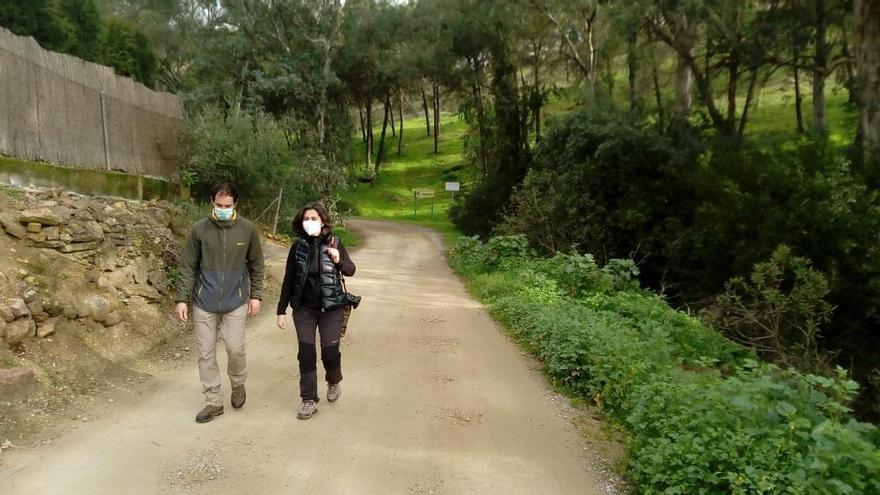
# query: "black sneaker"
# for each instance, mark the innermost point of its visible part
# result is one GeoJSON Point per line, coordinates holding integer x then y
{"type": "Point", "coordinates": [238, 396]}
{"type": "Point", "coordinates": [208, 413]}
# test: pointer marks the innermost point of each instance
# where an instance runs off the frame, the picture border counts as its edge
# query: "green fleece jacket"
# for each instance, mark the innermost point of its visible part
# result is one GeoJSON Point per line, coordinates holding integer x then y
{"type": "Point", "coordinates": [222, 265]}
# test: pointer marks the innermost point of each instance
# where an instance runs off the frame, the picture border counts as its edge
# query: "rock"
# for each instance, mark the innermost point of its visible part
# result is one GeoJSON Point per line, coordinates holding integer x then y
{"type": "Point", "coordinates": [113, 318]}
{"type": "Point", "coordinates": [29, 293]}
{"type": "Point", "coordinates": [18, 308]}
{"type": "Point", "coordinates": [43, 216]}
{"type": "Point", "coordinates": [19, 330]}
{"type": "Point", "coordinates": [110, 222]}
{"type": "Point", "coordinates": [53, 308]}
{"type": "Point", "coordinates": [53, 244]}
{"type": "Point", "coordinates": [95, 306]}
{"type": "Point", "coordinates": [144, 291]}
{"type": "Point", "coordinates": [83, 246]}
{"type": "Point", "coordinates": [34, 228]}
{"type": "Point", "coordinates": [114, 279]}
{"type": "Point", "coordinates": [6, 314]}
{"type": "Point", "coordinates": [2, 330]}
{"type": "Point", "coordinates": [141, 275]}
{"type": "Point", "coordinates": [158, 279]}
{"type": "Point", "coordinates": [35, 307]}
{"type": "Point", "coordinates": [69, 311]}
{"type": "Point", "coordinates": [16, 383]}
{"type": "Point", "coordinates": [38, 237]}
{"type": "Point", "coordinates": [52, 233]}
{"type": "Point", "coordinates": [107, 259]}
{"type": "Point", "coordinates": [11, 225]}
{"type": "Point", "coordinates": [81, 255]}
{"type": "Point", "coordinates": [46, 328]}
{"type": "Point", "coordinates": [90, 231]}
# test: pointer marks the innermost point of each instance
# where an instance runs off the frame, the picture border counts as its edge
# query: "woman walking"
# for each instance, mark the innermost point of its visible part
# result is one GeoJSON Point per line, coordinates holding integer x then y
{"type": "Point", "coordinates": [313, 288]}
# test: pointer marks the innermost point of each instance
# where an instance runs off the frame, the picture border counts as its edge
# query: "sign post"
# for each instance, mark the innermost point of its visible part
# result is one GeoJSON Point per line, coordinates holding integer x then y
{"type": "Point", "coordinates": [453, 187]}
{"type": "Point", "coordinates": [422, 193]}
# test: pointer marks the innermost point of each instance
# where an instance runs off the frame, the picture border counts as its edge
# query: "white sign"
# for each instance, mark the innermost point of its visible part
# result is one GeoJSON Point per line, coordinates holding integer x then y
{"type": "Point", "coordinates": [424, 193]}
{"type": "Point", "coordinates": [453, 186]}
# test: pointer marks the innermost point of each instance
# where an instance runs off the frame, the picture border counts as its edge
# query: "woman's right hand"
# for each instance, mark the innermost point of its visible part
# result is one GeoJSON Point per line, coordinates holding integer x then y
{"type": "Point", "coordinates": [281, 321]}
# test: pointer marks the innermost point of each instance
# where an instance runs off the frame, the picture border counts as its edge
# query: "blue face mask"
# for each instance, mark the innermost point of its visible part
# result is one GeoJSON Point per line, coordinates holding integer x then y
{"type": "Point", "coordinates": [223, 214]}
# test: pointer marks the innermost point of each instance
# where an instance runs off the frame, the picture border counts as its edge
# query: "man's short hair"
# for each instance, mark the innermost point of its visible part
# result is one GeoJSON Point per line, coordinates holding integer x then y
{"type": "Point", "coordinates": [227, 188]}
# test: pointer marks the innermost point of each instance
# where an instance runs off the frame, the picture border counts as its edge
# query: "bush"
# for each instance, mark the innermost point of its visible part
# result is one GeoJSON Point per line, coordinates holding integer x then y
{"type": "Point", "coordinates": [697, 212]}
{"type": "Point", "coordinates": [704, 416]}
{"type": "Point", "coordinates": [248, 149]}
{"type": "Point", "coordinates": [778, 311]}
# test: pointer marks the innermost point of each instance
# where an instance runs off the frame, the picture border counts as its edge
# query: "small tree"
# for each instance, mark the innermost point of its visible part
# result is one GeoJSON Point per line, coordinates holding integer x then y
{"type": "Point", "coordinates": [778, 311]}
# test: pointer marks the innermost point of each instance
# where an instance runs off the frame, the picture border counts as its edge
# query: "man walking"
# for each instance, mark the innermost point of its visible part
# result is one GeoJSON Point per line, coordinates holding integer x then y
{"type": "Point", "coordinates": [221, 273]}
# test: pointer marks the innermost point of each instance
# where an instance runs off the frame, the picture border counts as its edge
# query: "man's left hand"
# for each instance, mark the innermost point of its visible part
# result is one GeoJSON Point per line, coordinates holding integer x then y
{"type": "Point", "coordinates": [254, 307]}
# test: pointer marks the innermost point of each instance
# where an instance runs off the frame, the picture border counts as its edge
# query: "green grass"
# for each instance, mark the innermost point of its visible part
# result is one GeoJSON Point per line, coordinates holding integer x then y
{"type": "Point", "coordinates": [773, 118]}
{"type": "Point", "coordinates": [417, 167]}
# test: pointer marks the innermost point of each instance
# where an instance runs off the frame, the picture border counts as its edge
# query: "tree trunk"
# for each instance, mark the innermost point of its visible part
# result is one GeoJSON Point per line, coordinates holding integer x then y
{"type": "Point", "coordinates": [704, 89]}
{"type": "Point", "coordinates": [594, 63]}
{"type": "Point", "coordinates": [427, 115]}
{"type": "Point", "coordinates": [867, 56]}
{"type": "Point", "coordinates": [327, 69]}
{"type": "Point", "coordinates": [684, 78]}
{"type": "Point", "coordinates": [380, 156]}
{"type": "Point", "coordinates": [363, 127]}
{"type": "Point", "coordinates": [436, 118]}
{"type": "Point", "coordinates": [798, 97]}
{"type": "Point", "coordinates": [393, 124]}
{"type": "Point", "coordinates": [537, 95]}
{"type": "Point", "coordinates": [632, 67]}
{"type": "Point", "coordinates": [400, 119]}
{"type": "Point", "coordinates": [753, 81]}
{"type": "Point", "coordinates": [658, 96]}
{"type": "Point", "coordinates": [732, 79]}
{"type": "Point", "coordinates": [820, 68]}
{"type": "Point", "coordinates": [369, 147]}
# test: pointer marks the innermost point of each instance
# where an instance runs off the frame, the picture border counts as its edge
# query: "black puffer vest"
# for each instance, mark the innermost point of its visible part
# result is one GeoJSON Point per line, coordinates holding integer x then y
{"type": "Point", "coordinates": [332, 293]}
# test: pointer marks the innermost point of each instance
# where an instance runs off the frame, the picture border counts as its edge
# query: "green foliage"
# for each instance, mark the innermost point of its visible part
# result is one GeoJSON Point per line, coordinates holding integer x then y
{"type": "Point", "coordinates": [697, 215]}
{"type": "Point", "coordinates": [778, 311]}
{"type": "Point", "coordinates": [80, 25]}
{"type": "Point", "coordinates": [247, 149]}
{"type": "Point", "coordinates": [128, 51]}
{"type": "Point", "coordinates": [76, 27]}
{"type": "Point", "coordinates": [703, 415]}
{"type": "Point", "coordinates": [607, 186]}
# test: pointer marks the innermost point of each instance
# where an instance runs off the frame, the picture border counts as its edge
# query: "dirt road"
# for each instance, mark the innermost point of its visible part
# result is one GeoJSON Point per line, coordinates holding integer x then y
{"type": "Point", "coordinates": [435, 400]}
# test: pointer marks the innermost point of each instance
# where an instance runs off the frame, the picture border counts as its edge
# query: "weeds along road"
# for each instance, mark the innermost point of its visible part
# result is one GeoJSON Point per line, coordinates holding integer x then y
{"type": "Point", "coordinates": [435, 400]}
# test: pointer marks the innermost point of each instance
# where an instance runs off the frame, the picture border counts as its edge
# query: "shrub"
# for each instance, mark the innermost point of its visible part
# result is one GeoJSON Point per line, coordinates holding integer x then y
{"type": "Point", "coordinates": [704, 416]}
{"type": "Point", "coordinates": [778, 311]}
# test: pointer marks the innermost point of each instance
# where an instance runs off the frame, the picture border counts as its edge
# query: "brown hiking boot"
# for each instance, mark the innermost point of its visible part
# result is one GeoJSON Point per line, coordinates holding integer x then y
{"type": "Point", "coordinates": [307, 409]}
{"type": "Point", "coordinates": [208, 413]}
{"type": "Point", "coordinates": [333, 392]}
{"type": "Point", "coordinates": [238, 396]}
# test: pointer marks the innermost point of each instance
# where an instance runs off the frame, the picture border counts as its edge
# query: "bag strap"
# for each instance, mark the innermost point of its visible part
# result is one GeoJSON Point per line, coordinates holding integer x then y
{"type": "Point", "coordinates": [334, 243]}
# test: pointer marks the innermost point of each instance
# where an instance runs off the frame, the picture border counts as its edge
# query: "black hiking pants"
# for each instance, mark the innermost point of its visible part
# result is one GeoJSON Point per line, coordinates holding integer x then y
{"type": "Point", "coordinates": [329, 326]}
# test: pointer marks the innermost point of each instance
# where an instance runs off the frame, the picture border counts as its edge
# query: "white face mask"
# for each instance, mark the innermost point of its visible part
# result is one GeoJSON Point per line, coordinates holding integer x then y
{"type": "Point", "coordinates": [312, 227]}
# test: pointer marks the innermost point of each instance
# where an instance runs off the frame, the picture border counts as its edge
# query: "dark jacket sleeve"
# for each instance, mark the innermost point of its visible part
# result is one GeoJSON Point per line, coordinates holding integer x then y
{"type": "Point", "coordinates": [256, 265]}
{"type": "Point", "coordinates": [189, 265]}
{"type": "Point", "coordinates": [345, 265]}
{"type": "Point", "coordinates": [287, 285]}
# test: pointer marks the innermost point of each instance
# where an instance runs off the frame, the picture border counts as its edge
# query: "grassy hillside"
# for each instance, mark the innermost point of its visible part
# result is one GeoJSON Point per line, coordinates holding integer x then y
{"type": "Point", "coordinates": [417, 167]}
